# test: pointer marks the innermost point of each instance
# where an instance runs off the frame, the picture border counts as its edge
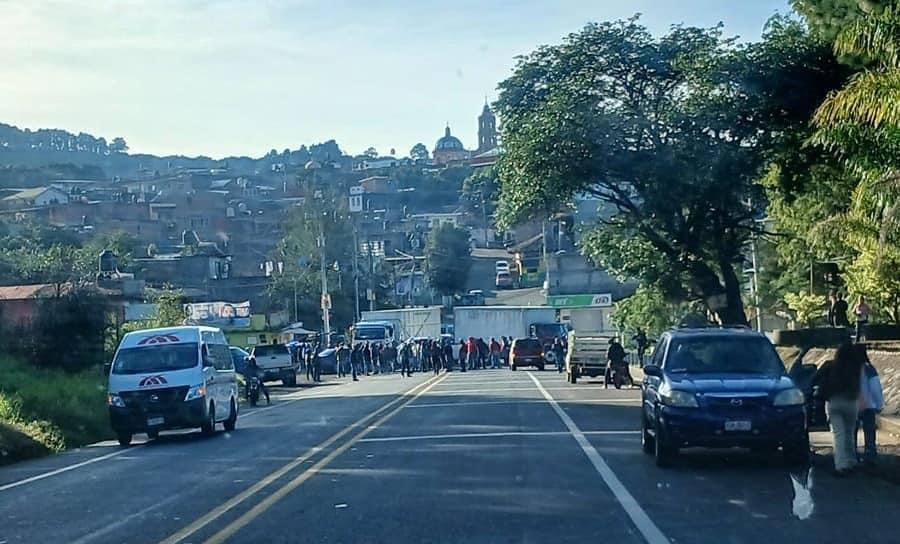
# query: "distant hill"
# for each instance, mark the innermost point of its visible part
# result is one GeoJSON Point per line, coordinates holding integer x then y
{"type": "Point", "coordinates": [26, 155]}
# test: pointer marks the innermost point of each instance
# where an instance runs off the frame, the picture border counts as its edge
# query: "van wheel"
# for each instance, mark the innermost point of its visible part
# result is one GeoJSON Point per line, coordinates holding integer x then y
{"type": "Point", "coordinates": [573, 377]}
{"type": "Point", "coordinates": [648, 443]}
{"type": "Point", "coordinates": [513, 367]}
{"type": "Point", "coordinates": [124, 439]}
{"type": "Point", "coordinates": [209, 427]}
{"type": "Point", "coordinates": [152, 435]}
{"type": "Point", "coordinates": [231, 422]}
{"type": "Point", "coordinates": [540, 368]}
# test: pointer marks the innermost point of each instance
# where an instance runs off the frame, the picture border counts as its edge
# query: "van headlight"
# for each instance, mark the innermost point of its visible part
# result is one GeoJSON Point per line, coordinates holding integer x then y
{"type": "Point", "coordinates": [196, 392]}
{"type": "Point", "coordinates": [789, 397]}
{"type": "Point", "coordinates": [113, 399]}
{"type": "Point", "coordinates": [677, 398]}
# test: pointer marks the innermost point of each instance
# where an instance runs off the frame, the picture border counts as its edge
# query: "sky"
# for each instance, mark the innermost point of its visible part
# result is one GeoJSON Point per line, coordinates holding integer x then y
{"type": "Point", "coordinates": [241, 77]}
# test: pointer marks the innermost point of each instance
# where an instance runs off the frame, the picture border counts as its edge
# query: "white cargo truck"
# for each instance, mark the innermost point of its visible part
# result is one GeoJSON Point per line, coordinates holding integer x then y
{"type": "Point", "coordinates": [398, 325]}
{"type": "Point", "coordinates": [512, 321]}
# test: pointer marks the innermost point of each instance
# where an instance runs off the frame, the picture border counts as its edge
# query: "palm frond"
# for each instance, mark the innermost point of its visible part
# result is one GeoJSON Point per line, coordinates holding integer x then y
{"type": "Point", "coordinates": [870, 98]}
{"type": "Point", "coordinates": [876, 37]}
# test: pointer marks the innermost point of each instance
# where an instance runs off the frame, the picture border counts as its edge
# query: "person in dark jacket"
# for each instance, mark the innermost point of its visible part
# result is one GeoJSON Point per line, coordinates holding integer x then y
{"type": "Point", "coordinates": [367, 358]}
{"type": "Point", "coordinates": [837, 313]}
{"type": "Point", "coordinates": [839, 384]}
{"type": "Point", "coordinates": [356, 360]}
{"type": "Point", "coordinates": [463, 355]}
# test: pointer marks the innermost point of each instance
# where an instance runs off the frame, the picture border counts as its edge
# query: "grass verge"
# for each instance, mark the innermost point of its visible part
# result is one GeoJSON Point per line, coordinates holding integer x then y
{"type": "Point", "coordinates": [44, 411]}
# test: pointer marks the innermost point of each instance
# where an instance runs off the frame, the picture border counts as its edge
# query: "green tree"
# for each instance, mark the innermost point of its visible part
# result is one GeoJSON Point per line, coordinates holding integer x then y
{"type": "Point", "coordinates": [371, 153]}
{"type": "Point", "coordinates": [448, 259]}
{"type": "Point", "coordinates": [418, 152]}
{"type": "Point", "coordinates": [659, 129]}
{"type": "Point", "coordinates": [647, 309]}
{"type": "Point", "coordinates": [479, 190]}
{"type": "Point", "coordinates": [829, 17]}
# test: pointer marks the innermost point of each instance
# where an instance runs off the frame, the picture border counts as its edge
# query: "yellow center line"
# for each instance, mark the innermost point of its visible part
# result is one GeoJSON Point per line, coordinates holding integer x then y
{"type": "Point", "coordinates": [283, 491]}
{"type": "Point", "coordinates": [220, 510]}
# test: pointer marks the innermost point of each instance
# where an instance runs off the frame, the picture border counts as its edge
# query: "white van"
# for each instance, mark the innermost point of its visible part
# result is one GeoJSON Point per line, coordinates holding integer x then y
{"type": "Point", "coordinates": [172, 378]}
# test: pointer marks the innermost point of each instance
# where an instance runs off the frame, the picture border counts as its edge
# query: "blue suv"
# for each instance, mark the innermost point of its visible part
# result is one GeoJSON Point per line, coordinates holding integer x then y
{"type": "Point", "coordinates": [720, 387]}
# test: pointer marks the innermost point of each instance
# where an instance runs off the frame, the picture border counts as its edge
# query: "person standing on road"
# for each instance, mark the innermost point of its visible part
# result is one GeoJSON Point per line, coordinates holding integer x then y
{"type": "Point", "coordinates": [482, 353]}
{"type": "Point", "coordinates": [448, 355]}
{"type": "Point", "coordinates": [495, 353]}
{"type": "Point", "coordinates": [405, 356]}
{"type": "Point", "coordinates": [861, 311]}
{"type": "Point", "coordinates": [463, 355]}
{"type": "Point", "coordinates": [367, 358]}
{"type": "Point", "coordinates": [559, 354]}
{"type": "Point", "coordinates": [839, 385]}
{"type": "Point", "coordinates": [310, 357]}
{"type": "Point", "coordinates": [436, 356]}
{"type": "Point", "coordinates": [472, 353]}
{"type": "Point", "coordinates": [376, 357]}
{"type": "Point", "coordinates": [342, 356]}
{"type": "Point", "coordinates": [355, 361]}
{"type": "Point", "coordinates": [870, 405]}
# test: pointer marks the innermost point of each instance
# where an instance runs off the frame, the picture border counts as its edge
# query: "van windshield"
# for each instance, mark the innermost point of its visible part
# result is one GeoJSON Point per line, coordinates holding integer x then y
{"type": "Point", "coordinates": [156, 358]}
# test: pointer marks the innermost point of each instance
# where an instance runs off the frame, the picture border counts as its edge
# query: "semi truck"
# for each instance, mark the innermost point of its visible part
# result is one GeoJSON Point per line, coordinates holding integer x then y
{"type": "Point", "coordinates": [513, 321]}
{"type": "Point", "coordinates": [388, 326]}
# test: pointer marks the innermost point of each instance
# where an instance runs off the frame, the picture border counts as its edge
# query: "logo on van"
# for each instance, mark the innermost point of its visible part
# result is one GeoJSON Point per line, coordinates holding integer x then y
{"type": "Point", "coordinates": [158, 339]}
{"type": "Point", "coordinates": [152, 380]}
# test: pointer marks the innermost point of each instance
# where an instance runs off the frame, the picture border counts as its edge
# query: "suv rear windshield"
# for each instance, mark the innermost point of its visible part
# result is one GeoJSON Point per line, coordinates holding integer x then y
{"type": "Point", "coordinates": [723, 354]}
{"type": "Point", "coordinates": [156, 358]}
{"type": "Point", "coordinates": [528, 344]}
{"type": "Point", "coordinates": [269, 350]}
{"type": "Point", "coordinates": [550, 330]}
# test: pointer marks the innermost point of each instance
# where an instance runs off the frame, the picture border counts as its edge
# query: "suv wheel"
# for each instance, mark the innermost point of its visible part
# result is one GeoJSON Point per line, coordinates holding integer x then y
{"type": "Point", "coordinates": [124, 439]}
{"type": "Point", "coordinates": [662, 450]}
{"type": "Point", "coordinates": [513, 367]}
{"type": "Point", "coordinates": [648, 443]}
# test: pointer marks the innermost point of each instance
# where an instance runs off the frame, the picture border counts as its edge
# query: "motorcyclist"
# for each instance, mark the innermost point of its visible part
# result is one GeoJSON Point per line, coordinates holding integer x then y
{"type": "Point", "coordinates": [615, 358]}
{"type": "Point", "coordinates": [251, 372]}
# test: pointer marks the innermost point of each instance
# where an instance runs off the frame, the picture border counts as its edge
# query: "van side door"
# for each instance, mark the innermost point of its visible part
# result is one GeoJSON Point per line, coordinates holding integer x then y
{"type": "Point", "coordinates": [210, 371]}
{"type": "Point", "coordinates": [225, 371]}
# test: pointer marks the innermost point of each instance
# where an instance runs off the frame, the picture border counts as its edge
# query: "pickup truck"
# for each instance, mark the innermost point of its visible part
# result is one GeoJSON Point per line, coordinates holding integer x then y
{"type": "Point", "coordinates": [586, 355]}
{"type": "Point", "coordinates": [275, 363]}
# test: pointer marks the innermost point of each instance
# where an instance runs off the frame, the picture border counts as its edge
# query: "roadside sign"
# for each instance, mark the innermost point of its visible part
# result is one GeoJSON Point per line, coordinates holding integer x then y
{"type": "Point", "coordinates": [603, 300]}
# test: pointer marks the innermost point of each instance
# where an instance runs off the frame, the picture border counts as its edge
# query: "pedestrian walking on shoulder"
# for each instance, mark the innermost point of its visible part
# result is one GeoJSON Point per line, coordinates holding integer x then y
{"type": "Point", "coordinates": [839, 385]}
{"type": "Point", "coordinates": [448, 355]}
{"type": "Point", "coordinates": [871, 403]}
{"type": "Point", "coordinates": [309, 357]}
{"type": "Point", "coordinates": [640, 343]}
{"type": "Point", "coordinates": [837, 313]}
{"type": "Point", "coordinates": [343, 358]}
{"type": "Point", "coordinates": [405, 356]}
{"type": "Point", "coordinates": [483, 352]}
{"type": "Point", "coordinates": [862, 312]}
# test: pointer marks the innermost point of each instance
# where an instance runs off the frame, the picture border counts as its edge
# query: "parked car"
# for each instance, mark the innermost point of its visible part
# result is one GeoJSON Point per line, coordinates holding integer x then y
{"type": "Point", "coordinates": [504, 280]}
{"type": "Point", "coordinates": [276, 363]}
{"type": "Point", "coordinates": [239, 357]}
{"type": "Point", "coordinates": [720, 387]}
{"type": "Point", "coordinates": [526, 352]}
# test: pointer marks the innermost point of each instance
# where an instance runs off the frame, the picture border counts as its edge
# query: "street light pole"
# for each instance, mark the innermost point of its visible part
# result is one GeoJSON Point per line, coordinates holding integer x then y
{"type": "Point", "coordinates": [326, 306]}
{"type": "Point", "coordinates": [412, 274]}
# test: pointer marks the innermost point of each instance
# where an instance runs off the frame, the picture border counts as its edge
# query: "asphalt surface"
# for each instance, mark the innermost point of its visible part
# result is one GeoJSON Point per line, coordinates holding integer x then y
{"type": "Point", "coordinates": [485, 456]}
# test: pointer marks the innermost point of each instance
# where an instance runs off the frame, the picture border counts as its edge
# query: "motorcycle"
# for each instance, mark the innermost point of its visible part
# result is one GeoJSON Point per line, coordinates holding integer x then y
{"type": "Point", "coordinates": [253, 390]}
{"type": "Point", "coordinates": [618, 375]}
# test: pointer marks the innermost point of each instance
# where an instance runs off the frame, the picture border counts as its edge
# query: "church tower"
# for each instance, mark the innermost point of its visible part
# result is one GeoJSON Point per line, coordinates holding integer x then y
{"type": "Point", "coordinates": [487, 130]}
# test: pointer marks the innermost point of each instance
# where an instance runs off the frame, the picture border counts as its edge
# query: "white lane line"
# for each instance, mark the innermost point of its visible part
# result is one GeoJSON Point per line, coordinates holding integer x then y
{"type": "Point", "coordinates": [521, 401]}
{"type": "Point", "coordinates": [639, 517]}
{"type": "Point", "coordinates": [67, 468]}
{"type": "Point", "coordinates": [488, 435]}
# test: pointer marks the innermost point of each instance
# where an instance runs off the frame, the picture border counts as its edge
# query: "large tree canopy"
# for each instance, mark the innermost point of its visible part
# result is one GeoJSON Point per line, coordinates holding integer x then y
{"type": "Point", "coordinates": [672, 132]}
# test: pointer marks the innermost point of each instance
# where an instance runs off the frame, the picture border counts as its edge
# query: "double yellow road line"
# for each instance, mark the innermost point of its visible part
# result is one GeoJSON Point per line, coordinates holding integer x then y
{"type": "Point", "coordinates": [363, 427]}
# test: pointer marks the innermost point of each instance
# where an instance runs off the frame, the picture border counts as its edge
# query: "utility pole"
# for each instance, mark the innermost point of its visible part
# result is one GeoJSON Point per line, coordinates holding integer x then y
{"type": "Point", "coordinates": [755, 283]}
{"type": "Point", "coordinates": [326, 302]}
{"type": "Point", "coordinates": [370, 293]}
{"type": "Point", "coordinates": [484, 217]}
{"type": "Point", "coordinates": [412, 274]}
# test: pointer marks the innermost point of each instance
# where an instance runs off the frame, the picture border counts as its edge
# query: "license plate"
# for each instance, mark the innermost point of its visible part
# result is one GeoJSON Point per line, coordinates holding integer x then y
{"type": "Point", "coordinates": [153, 421]}
{"type": "Point", "coordinates": [740, 425]}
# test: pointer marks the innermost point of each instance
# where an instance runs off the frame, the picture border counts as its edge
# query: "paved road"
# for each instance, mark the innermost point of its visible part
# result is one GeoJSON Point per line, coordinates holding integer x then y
{"type": "Point", "coordinates": [488, 456]}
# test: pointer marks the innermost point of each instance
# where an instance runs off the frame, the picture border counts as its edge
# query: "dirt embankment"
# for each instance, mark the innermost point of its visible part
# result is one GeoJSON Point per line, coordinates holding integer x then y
{"type": "Point", "coordinates": [886, 359]}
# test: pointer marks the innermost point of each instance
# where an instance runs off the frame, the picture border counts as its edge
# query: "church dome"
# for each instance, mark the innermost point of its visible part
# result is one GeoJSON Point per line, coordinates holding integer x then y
{"type": "Point", "coordinates": [448, 142]}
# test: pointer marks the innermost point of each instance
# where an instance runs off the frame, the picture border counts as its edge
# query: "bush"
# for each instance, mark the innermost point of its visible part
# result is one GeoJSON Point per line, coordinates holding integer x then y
{"type": "Point", "coordinates": [53, 408]}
